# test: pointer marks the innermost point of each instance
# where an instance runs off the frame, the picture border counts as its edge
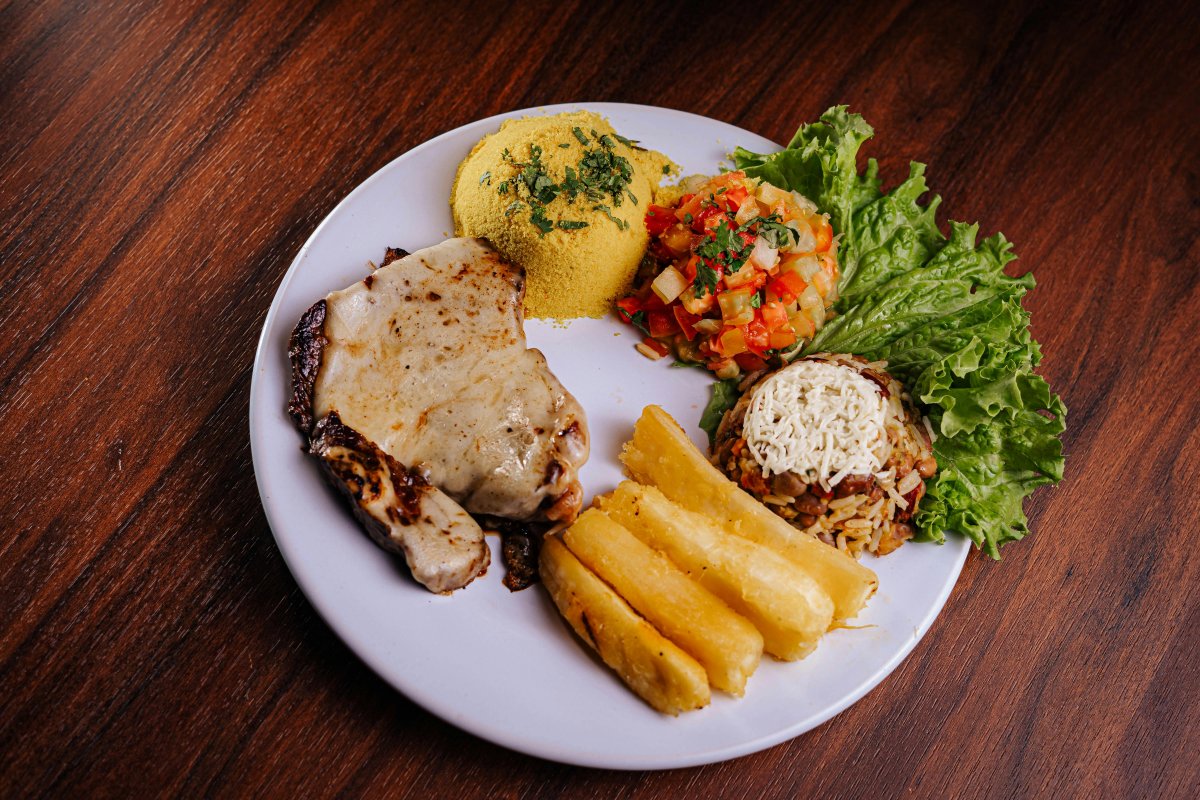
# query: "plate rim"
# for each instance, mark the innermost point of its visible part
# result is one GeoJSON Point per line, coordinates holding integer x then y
{"type": "Point", "coordinates": [511, 738]}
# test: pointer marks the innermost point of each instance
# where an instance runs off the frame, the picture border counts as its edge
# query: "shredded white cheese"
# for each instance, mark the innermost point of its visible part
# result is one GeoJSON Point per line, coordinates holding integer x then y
{"type": "Point", "coordinates": [820, 420]}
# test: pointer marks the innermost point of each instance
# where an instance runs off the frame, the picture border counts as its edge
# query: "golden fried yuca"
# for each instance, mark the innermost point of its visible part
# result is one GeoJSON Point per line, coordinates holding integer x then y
{"type": "Point", "coordinates": [725, 643]}
{"type": "Point", "coordinates": [564, 197]}
{"type": "Point", "coordinates": [656, 669]}
{"type": "Point", "coordinates": [789, 608]}
{"type": "Point", "coordinates": [660, 454]}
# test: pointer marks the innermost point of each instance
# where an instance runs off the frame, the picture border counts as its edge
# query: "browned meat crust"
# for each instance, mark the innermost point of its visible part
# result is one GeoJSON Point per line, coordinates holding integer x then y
{"type": "Point", "coordinates": [304, 350]}
{"type": "Point", "coordinates": [393, 254]}
{"type": "Point", "coordinates": [330, 432]}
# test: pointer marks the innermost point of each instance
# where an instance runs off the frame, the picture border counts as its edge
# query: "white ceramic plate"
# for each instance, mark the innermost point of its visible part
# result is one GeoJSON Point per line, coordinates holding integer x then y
{"type": "Point", "coordinates": [504, 666]}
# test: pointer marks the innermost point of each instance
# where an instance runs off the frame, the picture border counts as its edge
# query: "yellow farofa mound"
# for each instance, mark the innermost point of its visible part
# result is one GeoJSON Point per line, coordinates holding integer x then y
{"type": "Point", "coordinates": [571, 273]}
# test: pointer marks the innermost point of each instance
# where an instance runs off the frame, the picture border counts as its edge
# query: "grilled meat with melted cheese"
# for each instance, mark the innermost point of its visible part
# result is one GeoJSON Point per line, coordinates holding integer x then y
{"type": "Point", "coordinates": [425, 362]}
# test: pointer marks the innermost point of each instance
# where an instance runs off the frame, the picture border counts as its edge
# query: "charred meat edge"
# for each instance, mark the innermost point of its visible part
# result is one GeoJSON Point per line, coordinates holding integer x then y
{"type": "Point", "coordinates": [408, 484]}
{"type": "Point", "coordinates": [305, 348]}
{"type": "Point", "coordinates": [414, 498]}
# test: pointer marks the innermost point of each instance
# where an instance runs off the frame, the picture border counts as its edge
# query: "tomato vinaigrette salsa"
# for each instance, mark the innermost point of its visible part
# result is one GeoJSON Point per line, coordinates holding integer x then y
{"type": "Point", "coordinates": [738, 276]}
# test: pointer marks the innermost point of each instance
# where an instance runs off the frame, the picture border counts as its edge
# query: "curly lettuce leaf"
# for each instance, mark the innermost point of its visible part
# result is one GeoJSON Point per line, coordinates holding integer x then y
{"type": "Point", "coordinates": [947, 319]}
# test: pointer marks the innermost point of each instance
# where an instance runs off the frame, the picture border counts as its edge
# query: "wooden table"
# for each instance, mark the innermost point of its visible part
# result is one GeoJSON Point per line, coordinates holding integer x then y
{"type": "Point", "coordinates": [159, 169]}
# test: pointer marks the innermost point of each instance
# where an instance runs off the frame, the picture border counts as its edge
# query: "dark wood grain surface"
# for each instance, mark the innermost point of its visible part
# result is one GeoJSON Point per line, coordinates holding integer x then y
{"type": "Point", "coordinates": [160, 165]}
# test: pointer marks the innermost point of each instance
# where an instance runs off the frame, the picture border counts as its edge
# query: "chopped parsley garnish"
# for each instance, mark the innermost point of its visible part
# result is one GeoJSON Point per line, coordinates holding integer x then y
{"type": "Point", "coordinates": [540, 220]}
{"type": "Point", "coordinates": [565, 145]}
{"type": "Point", "coordinates": [606, 211]}
{"type": "Point", "coordinates": [601, 174]}
{"type": "Point", "coordinates": [756, 301]}
{"type": "Point", "coordinates": [722, 246]}
{"type": "Point", "coordinates": [706, 280]}
{"type": "Point", "coordinates": [666, 169]}
{"type": "Point", "coordinates": [639, 321]}
{"type": "Point", "coordinates": [770, 228]}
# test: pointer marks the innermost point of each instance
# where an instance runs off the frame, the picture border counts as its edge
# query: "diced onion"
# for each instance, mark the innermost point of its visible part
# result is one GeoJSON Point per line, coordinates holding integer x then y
{"type": "Point", "coordinates": [810, 299]}
{"type": "Point", "coordinates": [821, 281]}
{"type": "Point", "coordinates": [669, 284]}
{"type": "Point", "coordinates": [772, 194]}
{"type": "Point", "coordinates": [804, 241]}
{"type": "Point", "coordinates": [763, 255]}
{"type": "Point", "coordinates": [709, 326]}
{"type": "Point", "coordinates": [735, 306]}
{"type": "Point", "coordinates": [747, 211]}
{"type": "Point", "coordinates": [802, 324]}
{"type": "Point", "coordinates": [804, 202]}
{"type": "Point", "coordinates": [804, 266]}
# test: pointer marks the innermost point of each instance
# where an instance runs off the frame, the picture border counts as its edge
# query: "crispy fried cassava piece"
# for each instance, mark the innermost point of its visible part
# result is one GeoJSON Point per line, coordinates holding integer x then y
{"type": "Point", "coordinates": [658, 671]}
{"type": "Point", "coordinates": [726, 644]}
{"type": "Point", "coordinates": [660, 454]}
{"type": "Point", "coordinates": [787, 605]}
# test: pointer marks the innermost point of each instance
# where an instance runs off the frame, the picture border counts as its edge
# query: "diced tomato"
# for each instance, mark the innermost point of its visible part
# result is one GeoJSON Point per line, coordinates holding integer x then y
{"type": "Point", "coordinates": [658, 219]}
{"type": "Point", "coordinates": [661, 323]}
{"type": "Point", "coordinates": [660, 251]}
{"type": "Point", "coordinates": [689, 269]}
{"type": "Point", "coordinates": [784, 337]}
{"type": "Point", "coordinates": [734, 196]}
{"type": "Point", "coordinates": [822, 231]}
{"type": "Point", "coordinates": [731, 342]}
{"type": "Point", "coordinates": [656, 346]}
{"type": "Point", "coordinates": [677, 239]}
{"type": "Point", "coordinates": [749, 362]}
{"type": "Point", "coordinates": [650, 301]}
{"type": "Point", "coordinates": [707, 217]}
{"type": "Point", "coordinates": [774, 316]}
{"type": "Point", "coordinates": [689, 208]}
{"type": "Point", "coordinates": [628, 306]}
{"type": "Point", "coordinates": [757, 338]}
{"type": "Point", "coordinates": [687, 321]}
{"type": "Point", "coordinates": [787, 286]}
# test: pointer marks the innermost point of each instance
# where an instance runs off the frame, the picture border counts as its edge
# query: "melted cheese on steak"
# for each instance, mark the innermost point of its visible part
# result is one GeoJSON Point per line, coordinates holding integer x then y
{"type": "Point", "coordinates": [426, 358]}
